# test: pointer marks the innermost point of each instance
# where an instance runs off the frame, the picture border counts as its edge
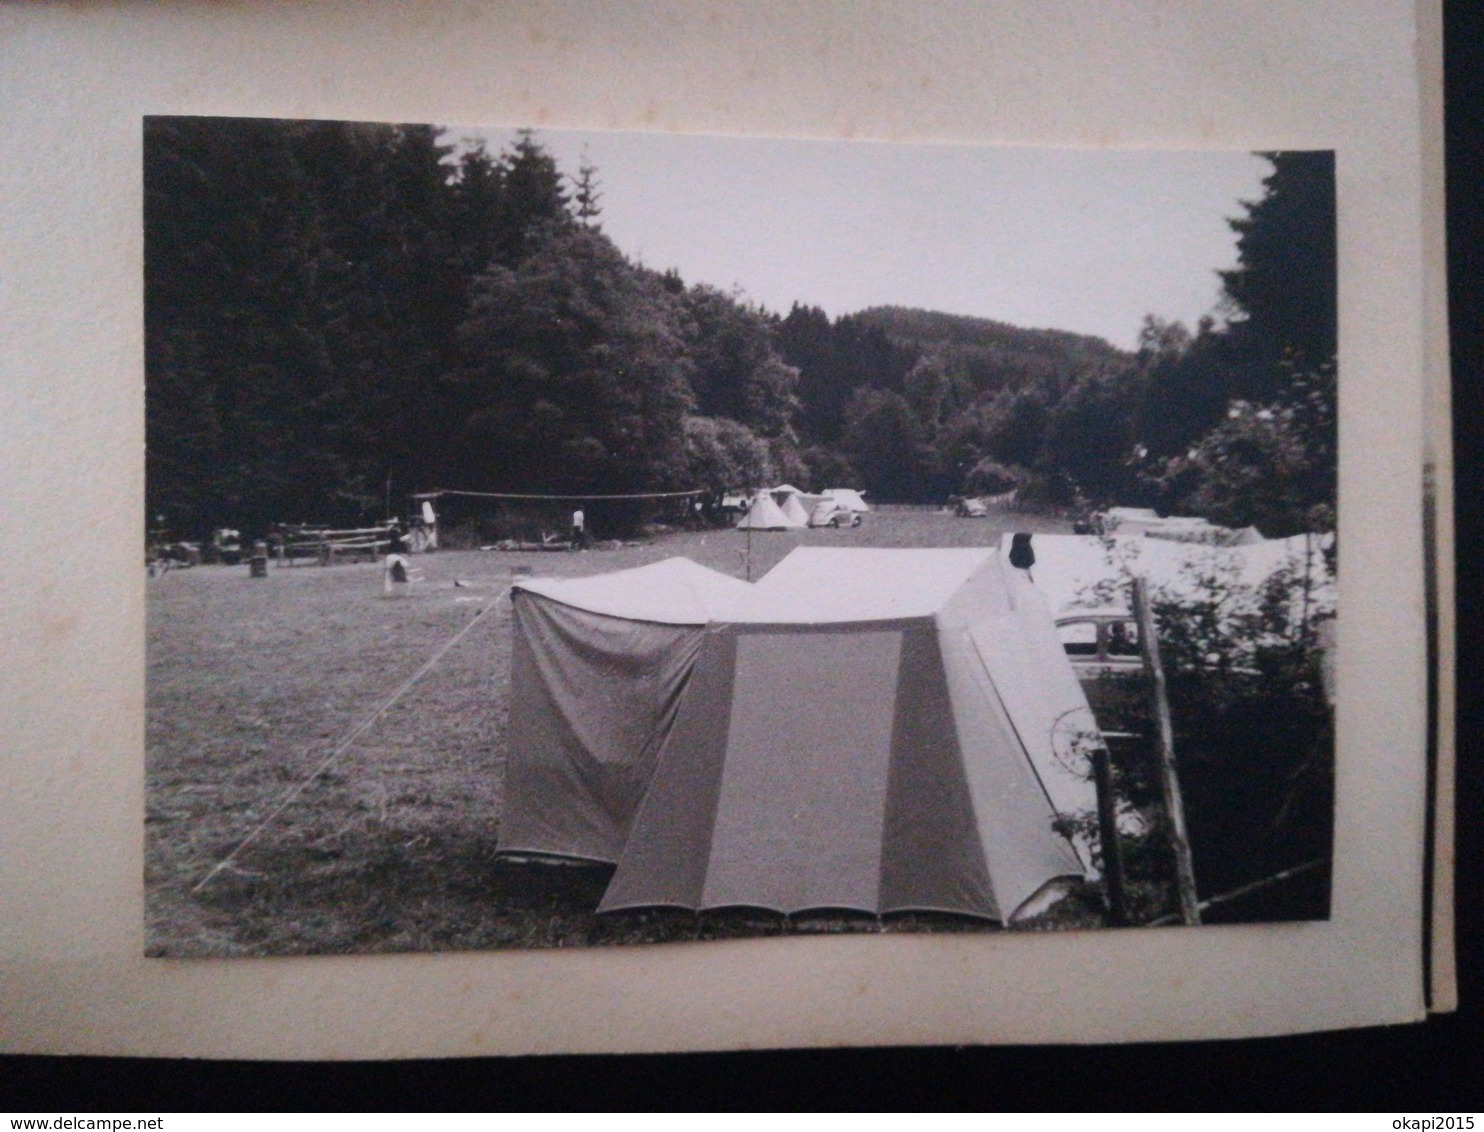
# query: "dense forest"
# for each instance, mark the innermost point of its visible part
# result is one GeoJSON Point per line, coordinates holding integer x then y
{"type": "Point", "coordinates": [341, 314]}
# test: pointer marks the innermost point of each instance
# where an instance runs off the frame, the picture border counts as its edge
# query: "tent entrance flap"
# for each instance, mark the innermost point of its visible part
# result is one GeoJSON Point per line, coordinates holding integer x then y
{"type": "Point", "coordinates": [803, 791]}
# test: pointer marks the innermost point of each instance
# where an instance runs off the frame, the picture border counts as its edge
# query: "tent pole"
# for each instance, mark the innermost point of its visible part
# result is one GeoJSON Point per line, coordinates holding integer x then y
{"type": "Point", "coordinates": [1190, 911]}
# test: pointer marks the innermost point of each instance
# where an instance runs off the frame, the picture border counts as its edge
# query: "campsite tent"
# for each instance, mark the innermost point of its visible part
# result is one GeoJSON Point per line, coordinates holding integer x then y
{"type": "Point", "coordinates": [786, 491]}
{"type": "Point", "coordinates": [794, 513]}
{"type": "Point", "coordinates": [1135, 521]}
{"type": "Point", "coordinates": [1086, 571]}
{"type": "Point", "coordinates": [868, 729]}
{"type": "Point", "coordinates": [874, 729]}
{"type": "Point", "coordinates": [597, 670]}
{"type": "Point", "coordinates": [1116, 517]}
{"type": "Point", "coordinates": [764, 515]}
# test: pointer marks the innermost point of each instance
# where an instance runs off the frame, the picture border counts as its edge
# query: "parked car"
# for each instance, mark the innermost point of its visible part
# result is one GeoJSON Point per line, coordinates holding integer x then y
{"type": "Point", "coordinates": [225, 546]}
{"type": "Point", "coordinates": [1103, 646]}
{"type": "Point", "coordinates": [834, 515]}
{"type": "Point", "coordinates": [971, 508]}
{"type": "Point", "coordinates": [1101, 641]}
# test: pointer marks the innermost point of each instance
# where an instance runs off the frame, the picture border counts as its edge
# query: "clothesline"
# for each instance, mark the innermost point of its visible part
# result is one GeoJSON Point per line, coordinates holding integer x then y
{"type": "Point", "coordinates": [523, 495]}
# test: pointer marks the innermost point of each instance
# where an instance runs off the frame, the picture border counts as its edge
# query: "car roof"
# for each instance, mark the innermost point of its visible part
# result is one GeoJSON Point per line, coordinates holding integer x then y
{"type": "Point", "coordinates": [1104, 612]}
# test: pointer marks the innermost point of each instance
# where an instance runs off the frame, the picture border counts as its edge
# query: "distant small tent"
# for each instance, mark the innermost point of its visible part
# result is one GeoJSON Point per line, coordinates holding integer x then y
{"type": "Point", "coordinates": [794, 513]}
{"type": "Point", "coordinates": [1116, 516]}
{"type": "Point", "coordinates": [1135, 521]}
{"type": "Point", "coordinates": [877, 730]}
{"type": "Point", "coordinates": [764, 515]}
{"type": "Point", "coordinates": [786, 491]}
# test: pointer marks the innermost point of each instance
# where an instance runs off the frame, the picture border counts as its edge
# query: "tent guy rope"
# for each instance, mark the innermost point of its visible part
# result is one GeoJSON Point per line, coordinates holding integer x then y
{"type": "Point", "coordinates": [345, 744]}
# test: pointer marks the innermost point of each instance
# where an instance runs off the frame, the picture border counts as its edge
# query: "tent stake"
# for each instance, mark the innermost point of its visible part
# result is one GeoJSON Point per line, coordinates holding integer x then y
{"type": "Point", "coordinates": [1190, 911]}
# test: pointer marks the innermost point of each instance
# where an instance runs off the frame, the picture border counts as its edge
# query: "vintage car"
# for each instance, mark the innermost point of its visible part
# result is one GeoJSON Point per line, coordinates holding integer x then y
{"type": "Point", "coordinates": [1101, 641]}
{"type": "Point", "coordinates": [1103, 646]}
{"type": "Point", "coordinates": [834, 514]}
{"type": "Point", "coordinates": [225, 546]}
{"type": "Point", "coordinates": [970, 508]}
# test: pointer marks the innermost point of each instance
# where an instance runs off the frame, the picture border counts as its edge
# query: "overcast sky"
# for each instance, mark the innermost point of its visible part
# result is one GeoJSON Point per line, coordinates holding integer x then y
{"type": "Point", "coordinates": [1081, 240]}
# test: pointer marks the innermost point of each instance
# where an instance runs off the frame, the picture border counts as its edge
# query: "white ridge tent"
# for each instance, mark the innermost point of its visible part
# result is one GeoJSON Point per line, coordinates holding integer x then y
{"type": "Point", "coordinates": [794, 513]}
{"type": "Point", "coordinates": [763, 515]}
{"type": "Point", "coordinates": [877, 730]}
{"type": "Point", "coordinates": [1126, 522]}
{"type": "Point", "coordinates": [784, 492]}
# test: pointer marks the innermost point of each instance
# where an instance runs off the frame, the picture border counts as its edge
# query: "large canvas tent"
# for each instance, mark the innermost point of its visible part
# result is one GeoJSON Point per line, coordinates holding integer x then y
{"type": "Point", "coordinates": [877, 730]}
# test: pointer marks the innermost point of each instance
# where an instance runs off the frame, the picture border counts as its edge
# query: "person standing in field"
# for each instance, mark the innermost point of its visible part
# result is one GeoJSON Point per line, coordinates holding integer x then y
{"type": "Point", "coordinates": [579, 533]}
{"type": "Point", "coordinates": [396, 565]}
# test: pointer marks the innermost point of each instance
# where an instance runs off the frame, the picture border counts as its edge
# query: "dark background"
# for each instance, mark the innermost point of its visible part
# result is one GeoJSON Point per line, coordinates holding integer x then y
{"type": "Point", "coordinates": [1437, 1066]}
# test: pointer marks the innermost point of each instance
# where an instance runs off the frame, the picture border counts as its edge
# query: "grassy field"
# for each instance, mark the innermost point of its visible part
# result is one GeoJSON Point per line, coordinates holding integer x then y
{"type": "Point", "coordinates": [252, 683]}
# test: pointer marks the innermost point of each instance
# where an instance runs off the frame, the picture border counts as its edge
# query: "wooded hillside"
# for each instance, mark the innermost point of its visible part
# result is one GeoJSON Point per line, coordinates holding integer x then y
{"type": "Point", "coordinates": [340, 314]}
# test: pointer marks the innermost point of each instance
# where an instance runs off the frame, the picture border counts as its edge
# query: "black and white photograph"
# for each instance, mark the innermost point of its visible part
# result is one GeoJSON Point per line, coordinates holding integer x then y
{"type": "Point", "coordinates": [571, 538]}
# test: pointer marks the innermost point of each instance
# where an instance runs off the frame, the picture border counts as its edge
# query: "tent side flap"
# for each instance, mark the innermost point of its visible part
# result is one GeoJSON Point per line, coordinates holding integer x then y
{"type": "Point", "coordinates": [1016, 819]}
{"type": "Point", "coordinates": [771, 789]}
{"type": "Point", "coordinates": [591, 699]}
{"type": "Point", "coordinates": [1018, 644]}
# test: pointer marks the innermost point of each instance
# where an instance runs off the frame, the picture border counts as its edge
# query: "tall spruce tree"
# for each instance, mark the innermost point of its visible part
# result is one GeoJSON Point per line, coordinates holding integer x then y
{"type": "Point", "coordinates": [1281, 297]}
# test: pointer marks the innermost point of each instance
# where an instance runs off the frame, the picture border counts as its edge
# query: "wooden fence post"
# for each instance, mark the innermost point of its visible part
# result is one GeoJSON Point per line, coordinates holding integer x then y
{"type": "Point", "coordinates": [1102, 772]}
{"type": "Point", "coordinates": [1190, 910]}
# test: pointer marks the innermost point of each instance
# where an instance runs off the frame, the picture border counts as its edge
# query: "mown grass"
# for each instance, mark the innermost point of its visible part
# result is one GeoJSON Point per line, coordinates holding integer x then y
{"type": "Point", "coordinates": [252, 683]}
